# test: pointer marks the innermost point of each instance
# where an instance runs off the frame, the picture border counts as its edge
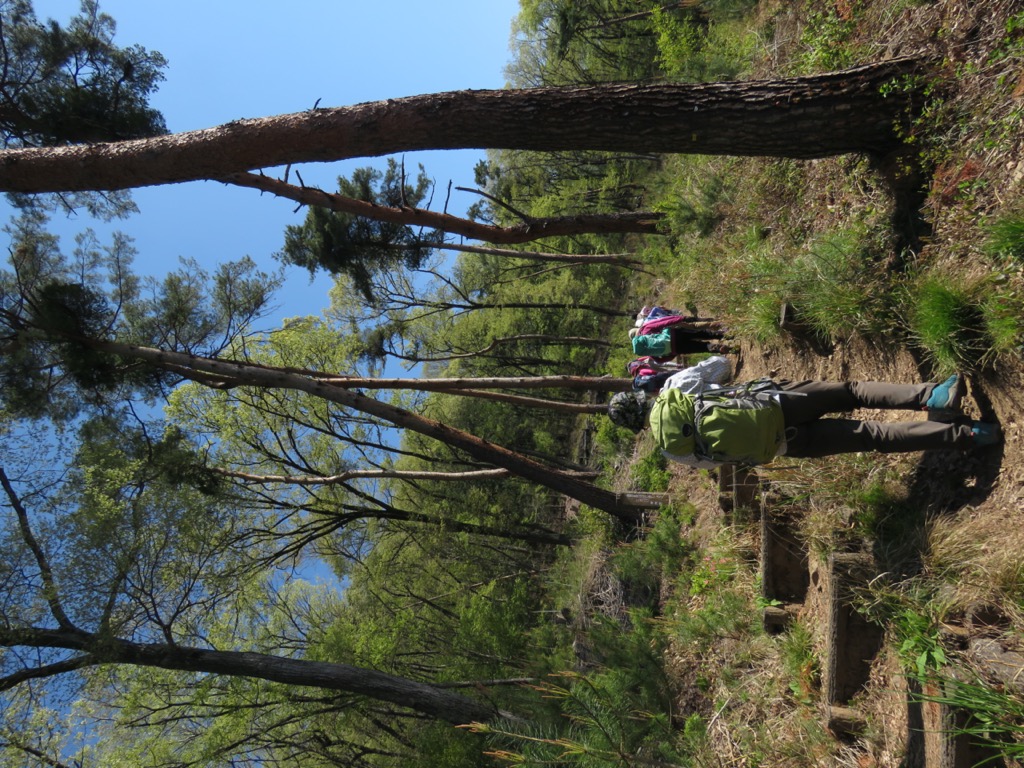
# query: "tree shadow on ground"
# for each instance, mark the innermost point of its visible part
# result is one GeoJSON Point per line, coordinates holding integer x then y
{"type": "Point", "coordinates": [942, 484]}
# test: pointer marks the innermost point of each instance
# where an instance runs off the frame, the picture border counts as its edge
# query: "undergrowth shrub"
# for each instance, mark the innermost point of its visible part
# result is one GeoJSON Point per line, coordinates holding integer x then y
{"type": "Point", "coordinates": [947, 322]}
{"type": "Point", "coordinates": [605, 721]}
{"type": "Point", "coordinates": [832, 289]}
{"type": "Point", "coordinates": [696, 206]}
{"type": "Point", "coordinates": [826, 37]}
{"type": "Point", "coordinates": [651, 472]}
{"type": "Point", "coordinates": [618, 713]}
{"type": "Point", "coordinates": [610, 441]}
{"type": "Point", "coordinates": [1005, 237]}
{"type": "Point", "coordinates": [661, 554]}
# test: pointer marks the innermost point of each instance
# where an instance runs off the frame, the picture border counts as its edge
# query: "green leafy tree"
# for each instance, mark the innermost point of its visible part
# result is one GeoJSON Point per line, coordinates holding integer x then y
{"type": "Point", "coordinates": [70, 85]}
{"type": "Point", "coordinates": [112, 558]}
{"type": "Point", "coordinates": [361, 246]}
{"type": "Point", "coordinates": [48, 303]}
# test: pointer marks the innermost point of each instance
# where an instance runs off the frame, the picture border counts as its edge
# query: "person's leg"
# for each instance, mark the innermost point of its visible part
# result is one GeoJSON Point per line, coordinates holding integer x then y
{"type": "Point", "coordinates": [826, 437]}
{"type": "Point", "coordinates": [685, 344]}
{"type": "Point", "coordinates": [711, 330]}
{"type": "Point", "coordinates": [804, 401]}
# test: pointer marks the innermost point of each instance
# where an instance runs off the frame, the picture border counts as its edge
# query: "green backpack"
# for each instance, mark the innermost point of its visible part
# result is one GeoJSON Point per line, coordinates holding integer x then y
{"type": "Point", "coordinates": [738, 425]}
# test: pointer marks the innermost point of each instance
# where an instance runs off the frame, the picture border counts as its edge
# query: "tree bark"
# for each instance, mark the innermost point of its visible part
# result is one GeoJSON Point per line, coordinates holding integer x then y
{"type": "Point", "coordinates": [433, 702]}
{"type": "Point", "coordinates": [803, 117]}
{"type": "Point", "coordinates": [543, 338]}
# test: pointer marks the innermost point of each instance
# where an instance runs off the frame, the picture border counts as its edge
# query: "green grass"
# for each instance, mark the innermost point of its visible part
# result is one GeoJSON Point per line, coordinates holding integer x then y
{"type": "Point", "coordinates": [1003, 321]}
{"type": "Point", "coordinates": [800, 663]}
{"type": "Point", "coordinates": [947, 322]}
{"type": "Point", "coordinates": [1005, 238]}
{"type": "Point", "coordinates": [761, 321]}
{"type": "Point", "coordinates": [651, 472]}
{"type": "Point", "coordinates": [995, 717]}
{"type": "Point", "coordinates": [835, 288]}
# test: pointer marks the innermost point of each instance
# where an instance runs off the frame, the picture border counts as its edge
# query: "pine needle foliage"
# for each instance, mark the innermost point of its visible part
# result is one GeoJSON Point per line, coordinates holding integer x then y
{"type": "Point", "coordinates": [342, 243]}
{"type": "Point", "coordinates": [602, 727]}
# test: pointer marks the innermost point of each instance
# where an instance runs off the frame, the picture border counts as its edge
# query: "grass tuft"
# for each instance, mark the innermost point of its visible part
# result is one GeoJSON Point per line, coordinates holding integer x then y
{"type": "Point", "coordinates": [948, 324]}
{"type": "Point", "coordinates": [1005, 238]}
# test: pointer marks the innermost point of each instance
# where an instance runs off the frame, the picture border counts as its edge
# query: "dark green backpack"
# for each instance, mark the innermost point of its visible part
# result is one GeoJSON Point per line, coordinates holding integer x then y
{"type": "Point", "coordinates": [738, 425]}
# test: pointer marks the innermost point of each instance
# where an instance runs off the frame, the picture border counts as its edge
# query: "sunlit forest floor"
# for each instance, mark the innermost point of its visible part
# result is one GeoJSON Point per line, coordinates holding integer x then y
{"type": "Point", "coordinates": [837, 269]}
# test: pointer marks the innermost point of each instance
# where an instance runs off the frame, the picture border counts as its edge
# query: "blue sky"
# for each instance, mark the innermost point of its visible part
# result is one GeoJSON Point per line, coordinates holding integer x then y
{"type": "Point", "coordinates": [230, 59]}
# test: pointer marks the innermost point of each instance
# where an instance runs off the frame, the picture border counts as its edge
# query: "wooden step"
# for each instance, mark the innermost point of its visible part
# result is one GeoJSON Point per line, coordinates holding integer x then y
{"type": "Point", "coordinates": [852, 641]}
{"type": "Point", "coordinates": [784, 571]}
{"type": "Point", "coordinates": [739, 488]}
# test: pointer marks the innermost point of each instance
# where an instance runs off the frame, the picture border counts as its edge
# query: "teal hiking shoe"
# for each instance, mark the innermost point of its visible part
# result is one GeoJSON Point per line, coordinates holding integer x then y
{"type": "Point", "coordinates": [947, 395]}
{"type": "Point", "coordinates": [986, 434]}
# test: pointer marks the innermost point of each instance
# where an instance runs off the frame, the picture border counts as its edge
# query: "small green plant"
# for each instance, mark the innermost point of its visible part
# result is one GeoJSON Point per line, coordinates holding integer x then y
{"type": "Point", "coordinates": [695, 207]}
{"type": "Point", "coordinates": [651, 472]}
{"type": "Point", "coordinates": [914, 616]}
{"type": "Point", "coordinates": [606, 720]}
{"type": "Point", "coordinates": [1001, 314]}
{"type": "Point", "coordinates": [825, 39]}
{"type": "Point", "coordinates": [1005, 238]}
{"type": "Point", "coordinates": [711, 572]}
{"type": "Point", "coordinates": [730, 615]}
{"type": "Point", "coordinates": [948, 324]}
{"type": "Point", "coordinates": [800, 663]}
{"type": "Point", "coordinates": [610, 440]}
{"type": "Point", "coordinates": [835, 286]}
{"type": "Point", "coordinates": [762, 319]}
{"type": "Point", "coordinates": [662, 552]}
{"type": "Point", "coordinates": [920, 647]}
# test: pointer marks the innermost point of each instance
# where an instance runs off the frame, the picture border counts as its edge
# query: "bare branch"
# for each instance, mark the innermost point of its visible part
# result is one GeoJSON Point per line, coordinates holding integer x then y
{"type": "Point", "coordinates": [47, 670]}
{"type": "Point", "coordinates": [49, 584]}
{"type": "Point", "coordinates": [525, 217]}
{"type": "Point", "coordinates": [534, 229]}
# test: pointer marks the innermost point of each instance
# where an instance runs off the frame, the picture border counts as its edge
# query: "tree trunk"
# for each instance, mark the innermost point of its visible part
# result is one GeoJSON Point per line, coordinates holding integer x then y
{"type": "Point", "coordinates": [543, 338]}
{"type": "Point", "coordinates": [407, 475]}
{"type": "Point", "coordinates": [533, 229]}
{"type": "Point", "coordinates": [433, 702]}
{"type": "Point", "coordinates": [803, 117]}
{"type": "Point", "coordinates": [620, 259]}
{"type": "Point", "coordinates": [525, 535]}
{"type": "Point", "coordinates": [585, 383]}
{"type": "Point", "coordinates": [626, 509]}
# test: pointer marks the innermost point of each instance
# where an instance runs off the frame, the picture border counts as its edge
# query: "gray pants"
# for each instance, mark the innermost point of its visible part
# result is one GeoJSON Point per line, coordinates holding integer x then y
{"type": "Point", "coordinates": [808, 435]}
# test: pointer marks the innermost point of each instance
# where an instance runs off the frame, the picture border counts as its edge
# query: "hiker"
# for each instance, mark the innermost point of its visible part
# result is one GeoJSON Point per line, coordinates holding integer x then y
{"type": "Point", "coordinates": [663, 336]}
{"type": "Point", "coordinates": [648, 374]}
{"type": "Point", "coordinates": [698, 420]}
